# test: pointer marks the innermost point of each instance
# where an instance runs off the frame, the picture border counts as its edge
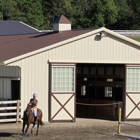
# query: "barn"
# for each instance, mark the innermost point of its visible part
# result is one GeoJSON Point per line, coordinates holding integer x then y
{"type": "Point", "coordinates": [76, 73]}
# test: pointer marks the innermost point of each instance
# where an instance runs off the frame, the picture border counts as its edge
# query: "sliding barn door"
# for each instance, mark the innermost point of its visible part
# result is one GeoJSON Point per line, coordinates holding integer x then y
{"type": "Point", "coordinates": [132, 93]}
{"type": "Point", "coordinates": [62, 92]}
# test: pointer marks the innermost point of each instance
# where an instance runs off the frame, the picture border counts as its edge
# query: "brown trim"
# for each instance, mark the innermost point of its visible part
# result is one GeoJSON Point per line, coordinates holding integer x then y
{"type": "Point", "coordinates": [62, 92]}
{"type": "Point", "coordinates": [136, 106]}
{"type": "Point", "coordinates": [75, 92]}
{"type": "Point", "coordinates": [133, 119]}
{"type": "Point", "coordinates": [62, 63]}
{"type": "Point", "coordinates": [132, 65]}
{"type": "Point", "coordinates": [126, 94]}
{"type": "Point", "coordinates": [62, 106]}
{"type": "Point", "coordinates": [51, 95]}
{"type": "Point", "coordinates": [6, 77]}
{"type": "Point", "coordinates": [50, 81]}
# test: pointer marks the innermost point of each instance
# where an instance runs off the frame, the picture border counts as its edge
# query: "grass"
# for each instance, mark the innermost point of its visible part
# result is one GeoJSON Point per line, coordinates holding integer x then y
{"type": "Point", "coordinates": [137, 38]}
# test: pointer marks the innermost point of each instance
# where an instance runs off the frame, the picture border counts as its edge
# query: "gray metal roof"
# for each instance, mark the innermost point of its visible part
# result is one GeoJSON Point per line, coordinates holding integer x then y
{"type": "Point", "coordinates": [8, 28]}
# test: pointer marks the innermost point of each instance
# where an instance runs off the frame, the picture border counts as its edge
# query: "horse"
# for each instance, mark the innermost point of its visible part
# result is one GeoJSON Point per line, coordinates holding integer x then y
{"type": "Point", "coordinates": [30, 119]}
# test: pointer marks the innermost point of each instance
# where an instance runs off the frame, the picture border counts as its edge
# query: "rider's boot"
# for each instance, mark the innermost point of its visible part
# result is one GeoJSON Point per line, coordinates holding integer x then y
{"type": "Point", "coordinates": [35, 119]}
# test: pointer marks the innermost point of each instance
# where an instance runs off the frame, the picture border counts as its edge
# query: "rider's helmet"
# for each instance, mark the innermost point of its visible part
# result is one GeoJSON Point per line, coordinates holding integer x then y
{"type": "Point", "coordinates": [34, 95]}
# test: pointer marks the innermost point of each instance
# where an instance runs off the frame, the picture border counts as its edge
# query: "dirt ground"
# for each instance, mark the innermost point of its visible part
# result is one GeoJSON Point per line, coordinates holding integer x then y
{"type": "Point", "coordinates": [82, 129]}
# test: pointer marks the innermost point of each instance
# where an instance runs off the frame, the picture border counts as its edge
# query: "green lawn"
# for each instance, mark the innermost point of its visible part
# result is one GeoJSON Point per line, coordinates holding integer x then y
{"type": "Point", "coordinates": [137, 38]}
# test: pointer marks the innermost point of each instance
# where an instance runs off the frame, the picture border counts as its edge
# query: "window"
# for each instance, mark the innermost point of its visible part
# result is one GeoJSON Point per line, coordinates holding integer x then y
{"type": "Point", "coordinates": [100, 70]}
{"type": "Point", "coordinates": [63, 78]}
{"type": "Point", "coordinates": [109, 70]}
{"type": "Point", "coordinates": [78, 70]}
{"type": "Point", "coordinates": [108, 91]}
{"type": "Point", "coordinates": [133, 79]}
{"type": "Point", "coordinates": [93, 70]}
{"type": "Point", "coordinates": [118, 71]}
{"type": "Point", "coordinates": [85, 70]}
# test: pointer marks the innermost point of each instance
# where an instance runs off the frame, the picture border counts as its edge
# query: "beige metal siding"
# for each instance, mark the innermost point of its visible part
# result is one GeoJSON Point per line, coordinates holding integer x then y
{"type": "Point", "coordinates": [7, 73]}
{"type": "Point", "coordinates": [61, 27]}
{"type": "Point", "coordinates": [106, 50]}
{"type": "Point", "coordinates": [35, 69]}
{"type": "Point", "coordinates": [5, 89]}
{"type": "Point", "coordinates": [34, 79]}
{"type": "Point", "coordinates": [10, 71]}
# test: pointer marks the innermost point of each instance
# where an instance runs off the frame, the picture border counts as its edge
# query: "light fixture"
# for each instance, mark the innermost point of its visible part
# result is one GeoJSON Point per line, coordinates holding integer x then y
{"type": "Point", "coordinates": [103, 34]}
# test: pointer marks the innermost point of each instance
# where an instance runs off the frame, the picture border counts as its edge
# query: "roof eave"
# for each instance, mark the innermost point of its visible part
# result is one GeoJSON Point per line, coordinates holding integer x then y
{"type": "Point", "coordinates": [73, 39]}
{"type": "Point", "coordinates": [121, 36]}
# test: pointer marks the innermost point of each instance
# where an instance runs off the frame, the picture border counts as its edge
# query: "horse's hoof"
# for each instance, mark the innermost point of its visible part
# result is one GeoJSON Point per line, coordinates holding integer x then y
{"type": "Point", "coordinates": [24, 134]}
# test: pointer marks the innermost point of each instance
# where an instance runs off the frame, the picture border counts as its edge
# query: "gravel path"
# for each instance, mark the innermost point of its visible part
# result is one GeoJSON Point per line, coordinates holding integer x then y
{"type": "Point", "coordinates": [82, 129]}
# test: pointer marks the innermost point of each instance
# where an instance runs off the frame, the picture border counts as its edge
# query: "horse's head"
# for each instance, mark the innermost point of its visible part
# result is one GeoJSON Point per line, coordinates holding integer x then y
{"type": "Point", "coordinates": [28, 109]}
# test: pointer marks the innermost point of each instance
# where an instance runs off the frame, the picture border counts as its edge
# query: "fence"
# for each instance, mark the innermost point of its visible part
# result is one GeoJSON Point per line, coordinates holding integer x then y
{"type": "Point", "coordinates": [128, 32]}
{"type": "Point", "coordinates": [125, 123]}
{"type": "Point", "coordinates": [10, 111]}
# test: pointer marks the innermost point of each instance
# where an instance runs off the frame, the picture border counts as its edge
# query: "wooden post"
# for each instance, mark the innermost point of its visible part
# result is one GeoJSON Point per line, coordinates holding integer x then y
{"type": "Point", "coordinates": [18, 104]}
{"type": "Point", "coordinates": [119, 120]}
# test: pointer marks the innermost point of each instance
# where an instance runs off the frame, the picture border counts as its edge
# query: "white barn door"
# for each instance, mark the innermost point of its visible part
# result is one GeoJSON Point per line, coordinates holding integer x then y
{"type": "Point", "coordinates": [132, 111]}
{"type": "Point", "coordinates": [62, 92]}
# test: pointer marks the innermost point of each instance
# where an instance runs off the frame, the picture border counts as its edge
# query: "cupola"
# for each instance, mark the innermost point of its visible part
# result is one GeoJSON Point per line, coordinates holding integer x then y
{"type": "Point", "coordinates": [61, 24]}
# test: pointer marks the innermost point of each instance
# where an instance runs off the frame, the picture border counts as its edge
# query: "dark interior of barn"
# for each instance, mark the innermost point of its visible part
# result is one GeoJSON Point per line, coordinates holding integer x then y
{"type": "Point", "coordinates": [99, 89]}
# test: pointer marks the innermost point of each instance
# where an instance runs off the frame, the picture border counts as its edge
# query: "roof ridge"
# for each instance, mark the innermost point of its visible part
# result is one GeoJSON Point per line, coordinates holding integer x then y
{"type": "Point", "coordinates": [29, 26]}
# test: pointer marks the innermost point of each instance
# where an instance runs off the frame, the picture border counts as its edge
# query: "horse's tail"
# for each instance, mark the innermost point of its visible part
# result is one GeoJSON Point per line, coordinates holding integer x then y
{"type": "Point", "coordinates": [42, 123]}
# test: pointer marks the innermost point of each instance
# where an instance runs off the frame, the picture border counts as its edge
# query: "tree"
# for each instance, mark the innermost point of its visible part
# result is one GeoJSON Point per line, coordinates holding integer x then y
{"type": "Point", "coordinates": [134, 18]}
{"type": "Point", "coordinates": [94, 13]}
{"type": "Point", "coordinates": [28, 11]}
{"type": "Point", "coordinates": [122, 18]}
{"type": "Point", "coordinates": [52, 9]}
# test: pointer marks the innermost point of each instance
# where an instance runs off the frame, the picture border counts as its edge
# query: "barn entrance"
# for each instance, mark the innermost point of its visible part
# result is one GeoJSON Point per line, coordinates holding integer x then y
{"type": "Point", "coordinates": [15, 89]}
{"type": "Point", "coordinates": [100, 88]}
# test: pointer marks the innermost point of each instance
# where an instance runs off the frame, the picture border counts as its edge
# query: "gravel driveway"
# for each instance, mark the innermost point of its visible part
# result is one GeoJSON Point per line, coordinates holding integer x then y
{"type": "Point", "coordinates": [82, 129]}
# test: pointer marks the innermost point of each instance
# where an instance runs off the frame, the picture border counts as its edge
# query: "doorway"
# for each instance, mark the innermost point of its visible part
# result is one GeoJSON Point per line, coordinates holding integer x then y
{"type": "Point", "coordinates": [15, 89]}
{"type": "Point", "coordinates": [103, 85]}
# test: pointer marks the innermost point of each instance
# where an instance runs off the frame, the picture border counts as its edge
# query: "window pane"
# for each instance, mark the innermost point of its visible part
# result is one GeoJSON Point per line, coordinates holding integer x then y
{"type": "Point", "coordinates": [100, 70]}
{"type": "Point", "coordinates": [108, 91]}
{"type": "Point", "coordinates": [78, 70]}
{"type": "Point", "coordinates": [63, 79]}
{"type": "Point", "coordinates": [85, 70]}
{"type": "Point", "coordinates": [93, 70]}
{"type": "Point", "coordinates": [109, 70]}
{"type": "Point", "coordinates": [133, 79]}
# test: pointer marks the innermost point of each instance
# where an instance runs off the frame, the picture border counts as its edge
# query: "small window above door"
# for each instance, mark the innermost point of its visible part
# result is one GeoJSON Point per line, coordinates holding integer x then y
{"type": "Point", "coordinates": [108, 91]}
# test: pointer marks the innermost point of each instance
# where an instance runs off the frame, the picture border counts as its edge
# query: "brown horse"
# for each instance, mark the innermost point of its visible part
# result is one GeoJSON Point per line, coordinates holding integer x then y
{"type": "Point", "coordinates": [29, 118]}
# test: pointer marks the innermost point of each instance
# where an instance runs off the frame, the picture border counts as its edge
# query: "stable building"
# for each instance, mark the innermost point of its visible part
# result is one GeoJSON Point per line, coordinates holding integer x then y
{"type": "Point", "coordinates": [76, 73]}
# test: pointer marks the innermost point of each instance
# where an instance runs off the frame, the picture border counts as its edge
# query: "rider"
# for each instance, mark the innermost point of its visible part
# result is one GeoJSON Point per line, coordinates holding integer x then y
{"type": "Point", "coordinates": [34, 104]}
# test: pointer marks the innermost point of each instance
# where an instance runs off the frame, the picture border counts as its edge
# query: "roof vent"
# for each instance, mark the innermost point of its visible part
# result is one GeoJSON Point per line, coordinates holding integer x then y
{"type": "Point", "coordinates": [61, 24]}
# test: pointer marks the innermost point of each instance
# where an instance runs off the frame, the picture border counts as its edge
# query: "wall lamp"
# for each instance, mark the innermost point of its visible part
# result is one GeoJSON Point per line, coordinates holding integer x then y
{"type": "Point", "coordinates": [103, 34]}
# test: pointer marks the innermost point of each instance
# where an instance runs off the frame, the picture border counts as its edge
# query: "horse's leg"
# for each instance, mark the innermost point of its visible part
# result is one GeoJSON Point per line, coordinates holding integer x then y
{"type": "Point", "coordinates": [27, 128]}
{"type": "Point", "coordinates": [23, 126]}
{"type": "Point", "coordinates": [32, 127]}
{"type": "Point", "coordinates": [38, 122]}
